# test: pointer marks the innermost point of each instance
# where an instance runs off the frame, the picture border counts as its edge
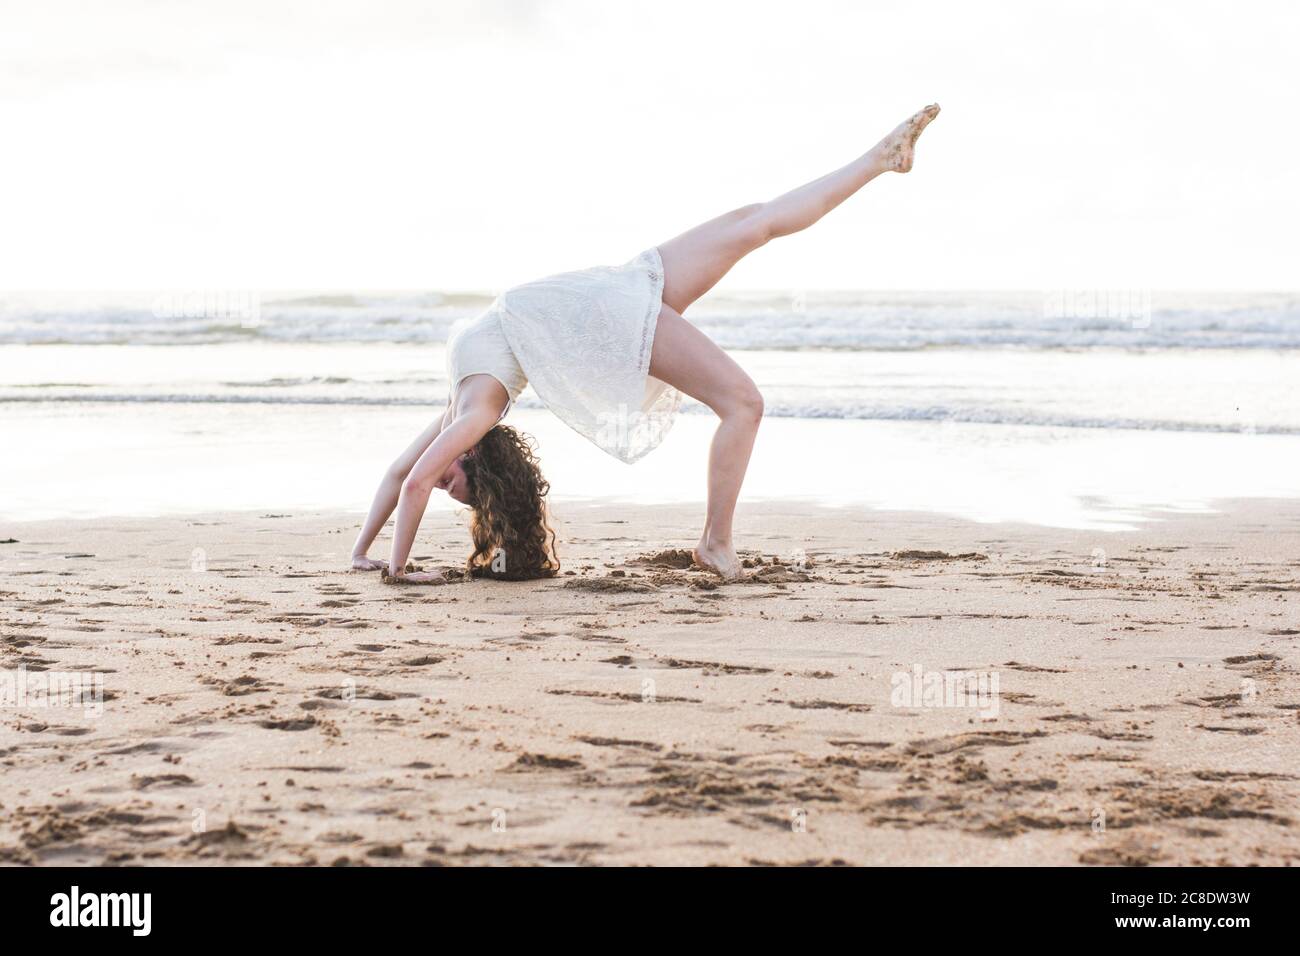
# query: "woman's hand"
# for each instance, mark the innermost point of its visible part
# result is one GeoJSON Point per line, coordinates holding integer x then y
{"type": "Point", "coordinates": [362, 563]}
{"type": "Point", "coordinates": [452, 442]}
{"type": "Point", "coordinates": [415, 576]}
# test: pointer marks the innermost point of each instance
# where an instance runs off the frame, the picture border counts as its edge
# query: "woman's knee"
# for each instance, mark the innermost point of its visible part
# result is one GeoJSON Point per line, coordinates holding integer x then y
{"type": "Point", "coordinates": [744, 403]}
{"type": "Point", "coordinates": [753, 224]}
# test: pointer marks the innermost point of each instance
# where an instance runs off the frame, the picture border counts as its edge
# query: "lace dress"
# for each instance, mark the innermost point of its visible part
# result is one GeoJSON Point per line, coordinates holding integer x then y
{"type": "Point", "coordinates": [583, 340]}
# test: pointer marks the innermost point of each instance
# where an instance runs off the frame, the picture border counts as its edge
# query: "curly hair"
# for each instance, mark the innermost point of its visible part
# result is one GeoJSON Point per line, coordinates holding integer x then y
{"type": "Point", "coordinates": [513, 540]}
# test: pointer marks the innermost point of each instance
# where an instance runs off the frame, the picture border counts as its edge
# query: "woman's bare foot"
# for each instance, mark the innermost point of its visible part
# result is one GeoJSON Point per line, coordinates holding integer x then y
{"type": "Point", "coordinates": [362, 563]}
{"type": "Point", "coordinates": [895, 150]}
{"type": "Point", "coordinates": [721, 560]}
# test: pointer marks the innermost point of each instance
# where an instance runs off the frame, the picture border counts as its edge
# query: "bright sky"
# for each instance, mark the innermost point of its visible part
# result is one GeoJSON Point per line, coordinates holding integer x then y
{"type": "Point", "coordinates": [396, 144]}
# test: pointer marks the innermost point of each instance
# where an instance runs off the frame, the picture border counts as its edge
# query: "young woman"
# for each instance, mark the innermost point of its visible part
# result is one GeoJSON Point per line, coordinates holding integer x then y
{"type": "Point", "coordinates": [608, 351]}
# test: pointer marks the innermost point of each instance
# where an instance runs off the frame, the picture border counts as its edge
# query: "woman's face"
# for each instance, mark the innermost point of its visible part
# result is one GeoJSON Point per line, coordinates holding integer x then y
{"type": "Point", "coordinates": [455, 482]}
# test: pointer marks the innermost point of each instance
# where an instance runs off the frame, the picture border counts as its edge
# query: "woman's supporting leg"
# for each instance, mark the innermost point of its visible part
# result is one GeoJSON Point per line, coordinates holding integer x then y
{"type": "Point", "coordinates": [696, 260]}
{"type": "Point", "coordinates": [688, 360]}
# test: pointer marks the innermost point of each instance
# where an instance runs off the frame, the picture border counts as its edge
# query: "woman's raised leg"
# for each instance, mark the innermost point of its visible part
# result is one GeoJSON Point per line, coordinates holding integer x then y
{"type": "Point", "coordinates": [687, 359]}
{"type": "Point", "coordinates": [697, 259]}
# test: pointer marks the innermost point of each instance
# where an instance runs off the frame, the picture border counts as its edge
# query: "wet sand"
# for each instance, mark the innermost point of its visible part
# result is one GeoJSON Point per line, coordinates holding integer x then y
{"type": "Point", "coordinates": [262, 704]}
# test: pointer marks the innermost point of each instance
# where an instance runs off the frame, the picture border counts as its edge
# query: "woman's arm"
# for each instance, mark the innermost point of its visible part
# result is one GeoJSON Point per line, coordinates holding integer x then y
{"type": "Point", "coordinates": [454, 440]}
{"type": "Point", "coordinates": [387, 494]}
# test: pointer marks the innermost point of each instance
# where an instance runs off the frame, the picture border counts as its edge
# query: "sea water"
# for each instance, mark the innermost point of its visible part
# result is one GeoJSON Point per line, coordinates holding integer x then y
{"type": "Point", "coordinates": [992, 406]}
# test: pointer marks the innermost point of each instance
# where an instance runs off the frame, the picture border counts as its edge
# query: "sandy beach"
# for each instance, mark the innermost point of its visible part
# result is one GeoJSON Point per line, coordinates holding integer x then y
{"type": "Point", "coordinates": [247, 699]}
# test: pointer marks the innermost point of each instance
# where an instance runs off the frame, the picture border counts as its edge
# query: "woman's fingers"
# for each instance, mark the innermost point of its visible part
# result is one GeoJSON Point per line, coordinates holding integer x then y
{"type": "Point", "coordinates": [416, 577]}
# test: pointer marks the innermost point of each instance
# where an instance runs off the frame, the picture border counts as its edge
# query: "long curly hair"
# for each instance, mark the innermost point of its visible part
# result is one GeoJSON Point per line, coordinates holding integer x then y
{"type": "Point", "coordinates": [512, 536]}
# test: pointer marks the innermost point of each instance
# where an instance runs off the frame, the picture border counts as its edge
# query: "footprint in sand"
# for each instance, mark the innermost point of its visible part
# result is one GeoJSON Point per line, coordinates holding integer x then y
{"type": "Point", "coordinates": [631, 698]}
{"type": "Point", "coordinates": [162, 780]}
{"type": "Point", "coordinates": [1034, 668]}
{"type": "Point", "coordinates": [360, 693]}
{"type": "Point", "coordinates": [937, 556]}
{"type": "Point", "coordinates": [1068, 718]}
{"type": "Point", "coordinates": [617, 742]}
{"type": "Point", "coordinates": [245, 685]}
{"type": "Point", "coordinates": [321, 705]}
{"type": "Point", "coordinates": [824, 705]}
{"type": "Point", "coordinates": [1243, 731]}
{"type": "Point", "coordinates": [424, 660]}
{"type": "Point", "coordinates": [1129, 852]}
{"type": "Point", "coordinates": [611, 584]}
{"type": "Point", "coordinates": [529, 761]}
{"type": "Point", "coordinates": [289, 723]}
{"type": "Point", "coordinates": [973, 740]}
{"type": "Point", "coordinates": [1250, 659]}
{"type": "Point", "coordinates": [711, 668]}
{"type": "Point", "coordinates": [678, 559]}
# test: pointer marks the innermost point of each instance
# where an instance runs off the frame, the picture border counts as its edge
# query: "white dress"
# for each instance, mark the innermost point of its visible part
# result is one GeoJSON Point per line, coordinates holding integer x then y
{"type": "Point", "coordinates": [583, 340]}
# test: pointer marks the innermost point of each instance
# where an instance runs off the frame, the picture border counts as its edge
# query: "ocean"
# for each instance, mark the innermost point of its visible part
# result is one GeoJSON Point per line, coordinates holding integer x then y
{"type": "Point", "coordinates": [215, 401]}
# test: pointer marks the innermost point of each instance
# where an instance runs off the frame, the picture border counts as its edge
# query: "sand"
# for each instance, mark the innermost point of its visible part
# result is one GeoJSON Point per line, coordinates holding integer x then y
{"type": "Point", "coordinates": [261, 704]}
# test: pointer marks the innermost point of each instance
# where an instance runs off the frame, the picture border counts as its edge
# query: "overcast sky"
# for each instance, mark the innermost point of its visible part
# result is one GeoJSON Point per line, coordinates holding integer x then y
{"type": "Point", "coordinates": [393, 144]}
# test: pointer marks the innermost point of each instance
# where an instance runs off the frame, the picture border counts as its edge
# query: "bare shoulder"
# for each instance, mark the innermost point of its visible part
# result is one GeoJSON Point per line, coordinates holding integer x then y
{"type": "Point", "coordinates": [480, 397]}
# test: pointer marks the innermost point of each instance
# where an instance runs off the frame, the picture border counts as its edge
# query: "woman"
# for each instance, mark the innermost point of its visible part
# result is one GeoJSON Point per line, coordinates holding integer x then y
{"type": "Point", "coordinates": [608, 351]}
